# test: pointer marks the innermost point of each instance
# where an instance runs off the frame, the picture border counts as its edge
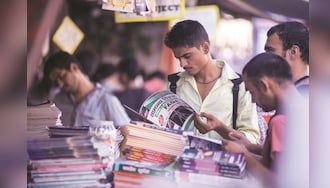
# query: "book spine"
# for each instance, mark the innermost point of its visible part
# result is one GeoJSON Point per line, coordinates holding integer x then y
{"type": "Point", "coordinates": [208, 170]}
{"type": "Point", "coordinates": [140, 170]}
{"type": "Point", "coordinates": [193, 174]}
{"type": "Point", "coordinates": [70, 168]}
{"type": "Point", "coordinates": [202, 163]}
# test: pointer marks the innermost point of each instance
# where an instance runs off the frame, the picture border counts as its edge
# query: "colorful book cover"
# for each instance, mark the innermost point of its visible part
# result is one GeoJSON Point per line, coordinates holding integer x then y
{"type": "Point", "coordinates": [166, 109]}
{"type": "Point", "coordinates": [140, 168]}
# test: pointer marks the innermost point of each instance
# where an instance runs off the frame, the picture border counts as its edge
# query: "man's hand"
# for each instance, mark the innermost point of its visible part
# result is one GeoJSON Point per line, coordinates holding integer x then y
{"type": "Point", "coordinates": [234, 147]}
{"type": "Point", "coordinates": [210, 124]}
{"type": "Point", "coordinates": [239, 138]}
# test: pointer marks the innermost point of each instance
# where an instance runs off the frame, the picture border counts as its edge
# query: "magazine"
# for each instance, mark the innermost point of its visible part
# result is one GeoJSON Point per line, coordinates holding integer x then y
{"type": "Point", "coordinates": [167, 110]}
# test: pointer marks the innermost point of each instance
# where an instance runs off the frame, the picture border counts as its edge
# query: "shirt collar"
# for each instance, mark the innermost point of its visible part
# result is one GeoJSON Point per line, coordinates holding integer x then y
{"type": "Point", "coordinates": [227, 72]}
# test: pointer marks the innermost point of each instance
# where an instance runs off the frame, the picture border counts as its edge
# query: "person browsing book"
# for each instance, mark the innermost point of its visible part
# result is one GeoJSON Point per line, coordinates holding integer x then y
{"type": "Point", "coordinates": [91, 102]}
{"type": "Point", "coordinates": [269, 79]}
{"type": "Point", "coordinates": [207, 84]}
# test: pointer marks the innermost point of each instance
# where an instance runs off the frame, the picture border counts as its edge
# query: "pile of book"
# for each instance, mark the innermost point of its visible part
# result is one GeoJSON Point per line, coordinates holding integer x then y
{"type": "Point", "coordinates": [155, 138]}
{"type": "Point", "coordinates": [41, 116]}
{"type": "Point", "coordinates": [80, 161]}
{"type": "Point", "coordinates": [144, 168]}
{"type": "Point", "coordinates": [204, 162]}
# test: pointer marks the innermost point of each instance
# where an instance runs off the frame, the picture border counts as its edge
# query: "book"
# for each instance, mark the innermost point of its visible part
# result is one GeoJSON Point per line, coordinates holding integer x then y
{"type": "Point", "coordinates": [148, 156]}
{"type": "Point", "coordinates": [206, 179]}
{"type": "Point", "coordinates": [146, 136]}
{"type": "Point", "coordinates": [202, 143]}
{"type": "Point", "coordinates": [140, 168]}
{"type": "Point", "coordinates": [61, 131]}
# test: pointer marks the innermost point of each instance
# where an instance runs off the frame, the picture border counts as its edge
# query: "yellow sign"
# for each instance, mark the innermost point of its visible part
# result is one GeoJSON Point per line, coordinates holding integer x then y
{"type": "Point", "coordinates": [164, 10]}
{"type": "Point", "coordinates": [208, 16]}
{"type": "Point", "coordinates": [119, 5]}
{"type": "Point", "coordinates": [68, 36]}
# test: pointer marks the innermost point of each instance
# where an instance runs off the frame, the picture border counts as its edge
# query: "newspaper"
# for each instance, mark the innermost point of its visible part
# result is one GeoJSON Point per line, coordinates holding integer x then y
{"type": "Point", "coordinates": [167, 110]}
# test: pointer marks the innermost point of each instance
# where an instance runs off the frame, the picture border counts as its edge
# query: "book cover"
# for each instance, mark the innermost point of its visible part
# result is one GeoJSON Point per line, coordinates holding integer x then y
{"type": "Point", "coordinates": [140, 168]}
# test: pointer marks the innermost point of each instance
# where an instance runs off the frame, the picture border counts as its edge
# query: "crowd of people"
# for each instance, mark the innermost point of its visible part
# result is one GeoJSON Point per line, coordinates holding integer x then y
{"type": "Point", "coordinates": [226, 101]}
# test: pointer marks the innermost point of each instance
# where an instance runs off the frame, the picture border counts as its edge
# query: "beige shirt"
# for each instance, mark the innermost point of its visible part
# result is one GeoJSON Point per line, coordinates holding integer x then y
{"type": "Point", "coordinates": [219, 102]}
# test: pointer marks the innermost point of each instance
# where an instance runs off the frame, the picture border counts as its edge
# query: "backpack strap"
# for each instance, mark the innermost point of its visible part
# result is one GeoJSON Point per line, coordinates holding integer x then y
{"type": "Point", "coordinates": [173, 79]}
{"type": "Point", "coordinates": [235, 91]}
{"type": "Point", "coordinates": [301, 79]}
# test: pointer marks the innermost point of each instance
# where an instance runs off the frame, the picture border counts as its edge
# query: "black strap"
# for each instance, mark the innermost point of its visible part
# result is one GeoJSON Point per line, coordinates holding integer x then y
{"type": "Point", "coordinates": [235, 91]}
{"type": "Point", "coordinates": [173, 78]}
{"type": "Point", "coordinates": [301, 79]}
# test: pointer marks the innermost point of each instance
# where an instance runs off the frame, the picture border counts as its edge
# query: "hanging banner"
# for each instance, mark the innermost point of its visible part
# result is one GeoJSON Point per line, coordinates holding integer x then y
{"type": "Point", "coordinates": [163, 10]}
{"type": "Point", "coordinates": [208, 16]}
{"type": "Point", "coordinates": [68, 36]}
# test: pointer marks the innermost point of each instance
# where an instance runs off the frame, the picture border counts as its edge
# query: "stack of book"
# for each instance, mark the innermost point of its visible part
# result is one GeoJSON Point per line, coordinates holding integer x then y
{"type": "Point", "coordinates": [69, 162]}
{"type": "Point", "coordinates": [39, 117]}
{"type": "Point", "coordinates": [203, 161]}
{"type": "Point", "coordinates": [147, 156]}
{"type": "Point", "coordinates": [155, 138]}
{"type": "Point", "coordinates": [137, 174]}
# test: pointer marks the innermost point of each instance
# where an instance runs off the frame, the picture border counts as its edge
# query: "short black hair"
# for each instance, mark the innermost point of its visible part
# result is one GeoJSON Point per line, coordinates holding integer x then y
{"type": "Point", "coordinates": [129, 66]}
{"type": "Point", "coordinates": [103, 71]}
{"type": "Point", "coordinates": [187, 33]}
{"type": "Point", "coordinates": [88, 61]}
{"type": "Point", "coordinates": [60, 60]}
{"type": "Point", "coordinates": [270, 65]}
{"type": "Point", "coordinates": [293, 33]}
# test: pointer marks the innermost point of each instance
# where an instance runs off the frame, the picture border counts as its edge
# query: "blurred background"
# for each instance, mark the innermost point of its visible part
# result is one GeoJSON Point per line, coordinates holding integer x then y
{"type": "Point", "coordinates": [237, 30]}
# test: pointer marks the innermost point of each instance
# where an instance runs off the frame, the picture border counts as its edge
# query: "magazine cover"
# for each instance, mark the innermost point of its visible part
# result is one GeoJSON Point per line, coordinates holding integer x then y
{"type": "Point", "coordinates": [201, 143]}
{"type": "Point", "coordinates": [167, 110]}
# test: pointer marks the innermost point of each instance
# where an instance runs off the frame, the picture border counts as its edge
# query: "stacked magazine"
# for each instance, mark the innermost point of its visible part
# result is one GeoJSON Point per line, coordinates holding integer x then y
{"type": "Point", "coordinates": [79, 161]}
{"type": "Point", "coordinates": [204, 161]}
{"type": "Point", "coordinates": [41, 116]}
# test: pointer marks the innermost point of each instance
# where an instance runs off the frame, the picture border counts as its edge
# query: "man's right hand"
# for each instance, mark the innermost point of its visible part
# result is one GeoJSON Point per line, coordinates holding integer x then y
{"type": "Point", "coordinates": [210, 124]}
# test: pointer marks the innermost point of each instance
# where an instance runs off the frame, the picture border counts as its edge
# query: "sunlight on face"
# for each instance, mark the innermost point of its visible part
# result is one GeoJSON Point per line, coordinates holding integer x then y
{"type": "Point", "coordinates": [191, 59]}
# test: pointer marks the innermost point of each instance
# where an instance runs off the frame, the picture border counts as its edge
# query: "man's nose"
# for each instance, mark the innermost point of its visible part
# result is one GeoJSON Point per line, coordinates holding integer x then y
{"type": "Point", "coordinates": [183, 63]}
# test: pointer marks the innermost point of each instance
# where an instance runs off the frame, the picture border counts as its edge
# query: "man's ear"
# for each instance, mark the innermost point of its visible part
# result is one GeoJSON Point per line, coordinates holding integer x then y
{"type": "Point", "coordinates": [205, 47]}
{"type": "Point", "coordinates": [263, 84]}
{"type": "Point", "coordinates": [294, 52]}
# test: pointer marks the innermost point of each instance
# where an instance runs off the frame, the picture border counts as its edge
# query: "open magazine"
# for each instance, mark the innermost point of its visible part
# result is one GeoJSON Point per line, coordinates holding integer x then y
{"type": "Point", "coordinates": [167, 110]}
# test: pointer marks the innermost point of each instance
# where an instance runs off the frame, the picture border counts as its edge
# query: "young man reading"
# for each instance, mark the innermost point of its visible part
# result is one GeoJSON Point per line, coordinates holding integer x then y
{"type": "Point", "coordinates": [207, 84]}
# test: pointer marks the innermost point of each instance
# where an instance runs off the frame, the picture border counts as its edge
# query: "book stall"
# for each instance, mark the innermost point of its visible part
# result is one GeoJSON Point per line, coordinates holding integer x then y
{"type": "Point", "coordinates": [98, 155]}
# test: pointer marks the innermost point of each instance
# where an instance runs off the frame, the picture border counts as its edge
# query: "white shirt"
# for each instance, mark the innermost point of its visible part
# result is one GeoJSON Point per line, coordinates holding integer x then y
{"type": "Point", "coordinates": [100, 104]}
{"type": "Point", "coordinates": [219, 102]}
